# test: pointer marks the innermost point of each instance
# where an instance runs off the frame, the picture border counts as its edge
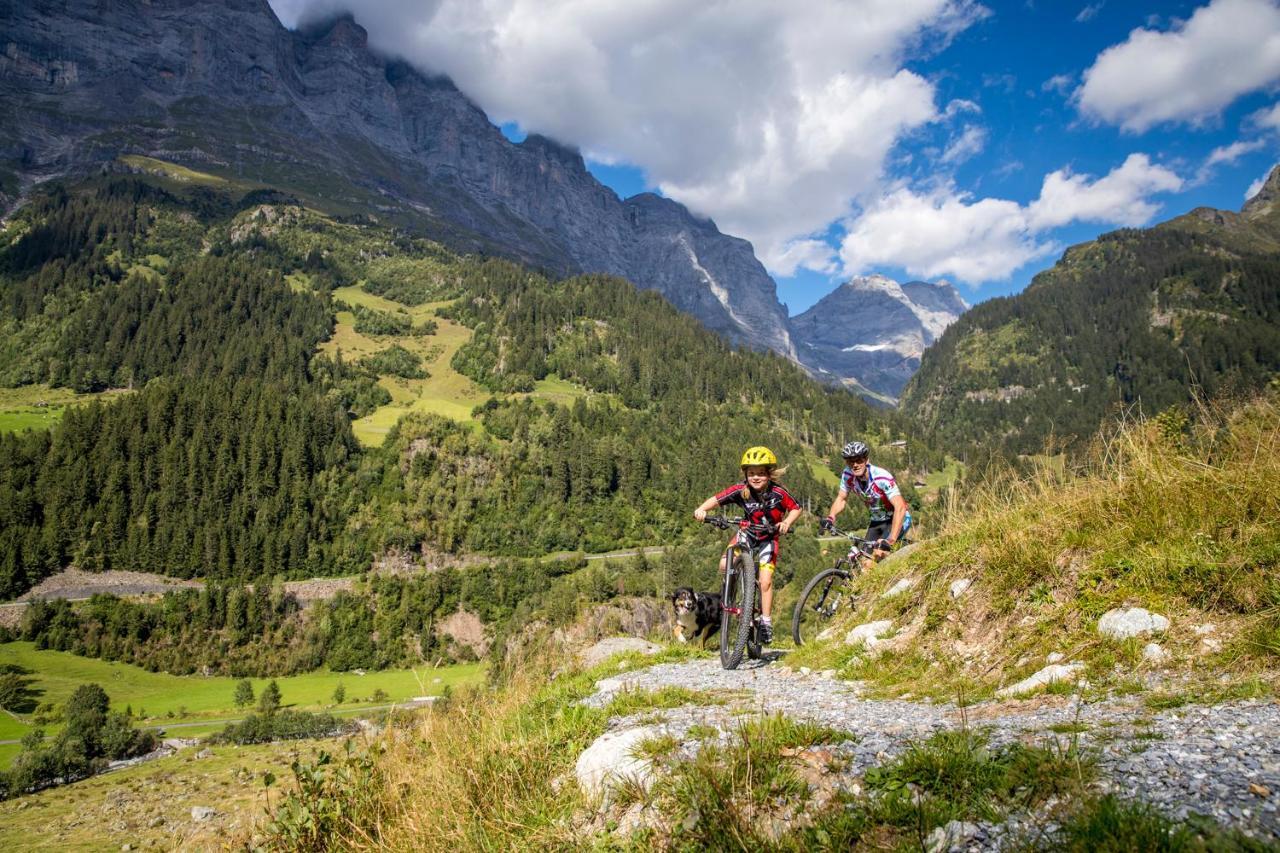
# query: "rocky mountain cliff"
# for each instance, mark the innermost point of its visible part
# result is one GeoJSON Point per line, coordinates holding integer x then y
{"type": "Point", "coordinates": [1138, 317]}
{"type": "Point", "coordinates": [871, 331]}
{"type": "Point", "coordinates": [222, 86]}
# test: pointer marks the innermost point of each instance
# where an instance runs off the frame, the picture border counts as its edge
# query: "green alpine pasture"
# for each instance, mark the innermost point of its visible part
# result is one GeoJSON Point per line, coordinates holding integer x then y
{"type": "Point", "coordinates": [163, 699]}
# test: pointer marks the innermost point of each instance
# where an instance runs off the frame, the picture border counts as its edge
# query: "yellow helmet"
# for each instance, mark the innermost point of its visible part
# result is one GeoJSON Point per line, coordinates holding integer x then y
{"type": "Point", "coordinates": [759, 456]}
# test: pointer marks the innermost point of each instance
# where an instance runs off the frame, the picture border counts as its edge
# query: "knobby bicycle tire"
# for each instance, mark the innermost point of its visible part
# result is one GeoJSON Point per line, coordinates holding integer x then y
{"type": "Point", "coordinates": [824, 584]}
{"type": "Point", "coordinates": [739, 594]}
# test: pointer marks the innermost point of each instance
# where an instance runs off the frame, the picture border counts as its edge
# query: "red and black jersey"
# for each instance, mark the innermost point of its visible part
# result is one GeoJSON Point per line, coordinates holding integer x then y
{"type": "Point", "coordinates": [770, 504]}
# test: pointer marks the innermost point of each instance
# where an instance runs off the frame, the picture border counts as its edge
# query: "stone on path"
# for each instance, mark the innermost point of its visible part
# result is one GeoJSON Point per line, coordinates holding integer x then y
{"type": "Point", "coordinates": [869, 635]}
{"type": "Point", "coordinates": [898, 588]}
{"type": "Point", "coordinates": [609, 761]}
{"type": "Point", "coordinates": [1123, 623]}
{"type": "Point", "coordinates": [611, 646]}
{"type": "Point", "coordinates": [1048, 675]}
{"type": "Point", "coordinates": [960, 587]}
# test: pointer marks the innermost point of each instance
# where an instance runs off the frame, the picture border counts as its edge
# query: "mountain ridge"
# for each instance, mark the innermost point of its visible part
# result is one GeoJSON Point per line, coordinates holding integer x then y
{"type": "Point", "coordinates": [225, 85]}
{"type": "Point", "coordinates": [871, 331]}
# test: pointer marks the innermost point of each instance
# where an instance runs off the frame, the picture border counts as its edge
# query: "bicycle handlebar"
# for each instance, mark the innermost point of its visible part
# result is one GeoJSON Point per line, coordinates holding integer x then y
{"type": "Point", "coordinates": [765, 530]}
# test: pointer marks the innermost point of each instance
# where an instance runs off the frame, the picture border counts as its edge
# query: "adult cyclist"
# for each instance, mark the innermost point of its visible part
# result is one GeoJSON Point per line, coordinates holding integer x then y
{"type": "Point", "coordinates": [890, 517]}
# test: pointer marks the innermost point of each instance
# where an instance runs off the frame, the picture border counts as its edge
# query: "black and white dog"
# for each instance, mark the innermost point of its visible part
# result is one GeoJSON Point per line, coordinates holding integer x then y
{"type": "Point", "coordinates": [697, 614]}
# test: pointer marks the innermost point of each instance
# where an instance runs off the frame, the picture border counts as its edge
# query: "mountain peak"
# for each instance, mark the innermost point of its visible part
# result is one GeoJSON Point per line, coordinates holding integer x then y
{"type": "Point", "coordinates": [1263, 201]}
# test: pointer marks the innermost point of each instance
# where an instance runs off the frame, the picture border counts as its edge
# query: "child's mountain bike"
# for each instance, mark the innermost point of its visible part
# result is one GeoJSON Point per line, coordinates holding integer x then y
{"type": "Point", "coordinates": [830, 592]}
{"type": "Point", "coordinates": [738, 600]}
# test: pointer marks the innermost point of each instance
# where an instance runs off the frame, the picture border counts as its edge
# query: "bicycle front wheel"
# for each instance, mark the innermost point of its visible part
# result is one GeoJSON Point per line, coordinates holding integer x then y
{"type": "Point", "coordinates": [826, 595]}
{"type": "Point", "coordinates": [737, 606]}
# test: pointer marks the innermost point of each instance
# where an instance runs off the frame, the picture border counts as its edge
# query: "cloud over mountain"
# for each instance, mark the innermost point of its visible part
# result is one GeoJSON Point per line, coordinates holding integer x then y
{"type": "Point", "coordinates": [770, 118]}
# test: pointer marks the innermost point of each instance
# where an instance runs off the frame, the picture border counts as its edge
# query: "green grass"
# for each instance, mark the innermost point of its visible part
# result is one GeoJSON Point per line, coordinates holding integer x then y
{"type": "Point", "coordinates": [191, 698]}
{"type": "Point", "coordinates": [1112, 825]}
{"type": "Point", "coordinates": [40, 406]}
{"type": "Point", "coordinates": [149, 806]}
{"type": "Point", "coordinates": [172, 171]}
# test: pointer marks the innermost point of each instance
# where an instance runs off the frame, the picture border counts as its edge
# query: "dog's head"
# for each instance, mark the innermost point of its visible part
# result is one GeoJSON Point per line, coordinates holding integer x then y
{"type": "Point", "coordinates": [684, 600]}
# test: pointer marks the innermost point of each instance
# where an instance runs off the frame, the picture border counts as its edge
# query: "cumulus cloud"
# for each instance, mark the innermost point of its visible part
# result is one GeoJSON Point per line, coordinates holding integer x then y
{"type": "Point", "coordinates": [945, 232]}
{"type": "Point", "coordinates": [771, 118]}
{"type": "Point", "coordinates": [1060, 83]}
{"type": "Point", "coordinates": [1188, 73]}
{"type": "Point", "coordinates": [1119, 198]}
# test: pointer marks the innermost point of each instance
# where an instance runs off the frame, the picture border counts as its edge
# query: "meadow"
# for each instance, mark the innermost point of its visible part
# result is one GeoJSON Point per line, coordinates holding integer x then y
{"type": "Point", "coordinates": [39, 406]}
{"type": "Point", "coordinates": [179, 700]}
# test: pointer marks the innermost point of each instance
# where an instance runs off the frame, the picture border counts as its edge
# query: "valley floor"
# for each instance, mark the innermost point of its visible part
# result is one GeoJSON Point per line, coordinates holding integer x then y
{"type": "Point", "coordinates": [1220, 761]}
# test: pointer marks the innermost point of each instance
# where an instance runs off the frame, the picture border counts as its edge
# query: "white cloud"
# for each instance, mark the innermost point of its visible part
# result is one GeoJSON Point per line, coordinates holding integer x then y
{"type": "Point", "coordinates": [772, 118]}
{"type": "Point", "coordinates": [1060, 83]}
{"type": "Point", "coordinates": [1255, 188]}
{"type": "Point", "coordinates": [1189, 73]}
{"type": "Point", "coordinates": [1088, 13]}
{"type": "Point", "coordinates": [1118, 199]}
{"type": "Point", "coordinates": [969, 144]}
{"type": "Point", "coordinates": [1268, 118]}
{"type": "Point", "coordinates": [816, 255]}
{"type": "Point", "coordinates": [945, 233]}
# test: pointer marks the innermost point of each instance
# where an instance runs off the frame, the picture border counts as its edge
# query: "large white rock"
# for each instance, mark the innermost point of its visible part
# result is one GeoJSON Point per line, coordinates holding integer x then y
{"type": "Point", "coordinates": [1048, 675]}
{"type": "Point", "coordinates": [611, 646]}
{"type": "Point", "coordinates": [869, 635]}
{"type": "Point", "coordinates": [1123, 623]}
{"type": "Point", "coordinates": [609, 761]}
{"type": "Point", "coordinates": [960, 587]}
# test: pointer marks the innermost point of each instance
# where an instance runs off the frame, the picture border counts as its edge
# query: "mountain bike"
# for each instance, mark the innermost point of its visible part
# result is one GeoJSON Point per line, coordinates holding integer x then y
{"type": "Point", "coordinates": [830, 590]}
{"type": "Point", "coordinates": [738, 601]}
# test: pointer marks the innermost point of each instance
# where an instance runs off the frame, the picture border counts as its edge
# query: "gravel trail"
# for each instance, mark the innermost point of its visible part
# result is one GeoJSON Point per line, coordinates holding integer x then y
{"type": "Point", "coordinates": [1221, 761]}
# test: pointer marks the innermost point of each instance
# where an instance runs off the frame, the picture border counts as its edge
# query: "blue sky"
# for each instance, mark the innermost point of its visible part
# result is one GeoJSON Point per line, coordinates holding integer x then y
{"type": "Point", "coordinates": [916, 138]}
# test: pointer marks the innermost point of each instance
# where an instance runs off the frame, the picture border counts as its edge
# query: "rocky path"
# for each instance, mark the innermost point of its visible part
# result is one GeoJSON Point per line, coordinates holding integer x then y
{"type": "Point", "coordinates": [1222, 761]}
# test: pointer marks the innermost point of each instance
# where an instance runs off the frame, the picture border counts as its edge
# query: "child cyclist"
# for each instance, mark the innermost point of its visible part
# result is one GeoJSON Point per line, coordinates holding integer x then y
{"type": "Point", "coordinates": [761, 500]}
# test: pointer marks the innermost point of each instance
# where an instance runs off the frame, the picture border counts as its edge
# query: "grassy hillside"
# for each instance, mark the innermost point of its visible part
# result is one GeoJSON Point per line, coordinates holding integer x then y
{"type": "Point", "coordinates": [1136, 318]}
{"type": "Point", "coordinates": [1179, 517]}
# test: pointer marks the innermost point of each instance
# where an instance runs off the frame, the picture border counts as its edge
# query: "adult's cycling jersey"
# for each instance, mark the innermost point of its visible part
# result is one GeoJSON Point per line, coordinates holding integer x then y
{"type": "Point", "coordinates": [877, 490]}
{"type": "Point", "coordinates": [769, 504]}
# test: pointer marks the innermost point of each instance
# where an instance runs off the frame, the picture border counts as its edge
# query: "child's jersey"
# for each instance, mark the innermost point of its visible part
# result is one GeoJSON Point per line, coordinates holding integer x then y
{"type": "Point", "coordinates": [770, 504]}
{"type": "Point", "coordinates": [877, 491]}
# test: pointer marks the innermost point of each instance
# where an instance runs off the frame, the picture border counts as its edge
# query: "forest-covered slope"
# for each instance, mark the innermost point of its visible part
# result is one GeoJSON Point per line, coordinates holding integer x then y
{"type": "Point", "coordinates": [234, 456]}
{"type": "Point", "coordinates": [1138, 316]}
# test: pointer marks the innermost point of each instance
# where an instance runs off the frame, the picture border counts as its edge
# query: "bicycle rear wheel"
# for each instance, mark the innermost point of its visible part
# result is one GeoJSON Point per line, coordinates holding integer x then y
{"type": "Point", "coordinates": [737, 606]}
{"type": "Point", "coordinates": [824, 596]}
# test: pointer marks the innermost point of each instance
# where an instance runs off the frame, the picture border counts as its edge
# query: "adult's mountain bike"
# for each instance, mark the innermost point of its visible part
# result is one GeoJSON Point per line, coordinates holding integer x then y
{"type": "Point", "coordinates": [831, 590]}
{"type": "Point", "coordinates": [739, 604]}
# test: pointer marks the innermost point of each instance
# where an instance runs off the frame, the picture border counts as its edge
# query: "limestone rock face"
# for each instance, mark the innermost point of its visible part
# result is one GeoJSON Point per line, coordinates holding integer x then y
{"type": "Point", "coordinates": [224, 86]}
{"type": "Point", "coordinates": [871, 331]}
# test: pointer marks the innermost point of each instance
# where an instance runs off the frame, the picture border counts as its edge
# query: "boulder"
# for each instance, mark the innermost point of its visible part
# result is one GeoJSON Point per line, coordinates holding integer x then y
{"type": "Point", "coordinates": [611, 646]}
{"type": "Point", "coordinates": [1050, 674]}
{"type": "Point", "coordinates": [1123, 623]}
{"type": "Point", "coordinates": [960, 587]}
{"type": "Point", "coordinates": [609, 760]}
{"type": "Point", "coordinates": [869, 635]}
